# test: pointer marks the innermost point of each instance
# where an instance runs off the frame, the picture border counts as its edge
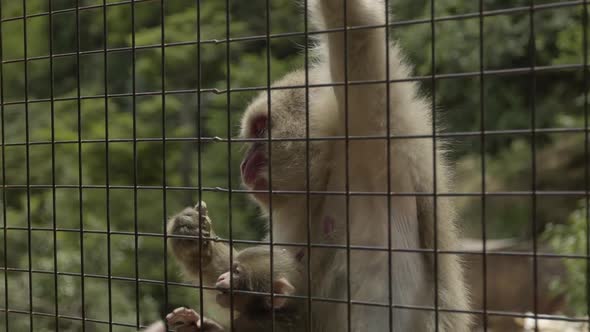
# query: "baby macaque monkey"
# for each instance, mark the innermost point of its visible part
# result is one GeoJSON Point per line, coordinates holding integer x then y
{"type": "Point", "coordinates": [251, 281]}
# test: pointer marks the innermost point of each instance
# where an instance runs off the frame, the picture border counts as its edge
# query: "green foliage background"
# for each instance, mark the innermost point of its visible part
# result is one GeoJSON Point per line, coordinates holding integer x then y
{"type": "Point", "coordinates": [509, 101]}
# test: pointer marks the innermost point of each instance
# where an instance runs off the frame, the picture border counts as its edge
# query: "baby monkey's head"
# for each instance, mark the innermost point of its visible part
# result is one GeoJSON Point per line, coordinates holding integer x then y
{"type": "Point", "coordinates": [251, 273]}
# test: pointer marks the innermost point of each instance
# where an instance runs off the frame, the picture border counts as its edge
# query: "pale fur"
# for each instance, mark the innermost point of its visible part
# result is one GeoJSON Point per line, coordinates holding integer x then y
{"type": "Point", "coordinates": [411, 170]}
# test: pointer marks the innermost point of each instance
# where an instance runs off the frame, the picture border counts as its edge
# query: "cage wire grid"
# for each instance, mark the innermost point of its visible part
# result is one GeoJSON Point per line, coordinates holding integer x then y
{"type": "Point", "coordinates": [482, 74]}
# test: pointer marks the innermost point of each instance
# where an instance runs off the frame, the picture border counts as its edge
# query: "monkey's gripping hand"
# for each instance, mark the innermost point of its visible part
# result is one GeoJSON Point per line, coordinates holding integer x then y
{"type": "Point", "coordinates": [193, 243]}
{"type": "Point", "coordinates": [191, 226]}
{"type": "Point", "coordinates": [187, 320]}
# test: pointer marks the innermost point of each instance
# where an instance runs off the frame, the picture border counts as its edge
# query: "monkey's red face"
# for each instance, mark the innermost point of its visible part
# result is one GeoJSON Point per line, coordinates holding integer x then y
{"type": "Point", "coordinates": [255, 161]}
{"type": "Point", "coordinates": [284, 162]}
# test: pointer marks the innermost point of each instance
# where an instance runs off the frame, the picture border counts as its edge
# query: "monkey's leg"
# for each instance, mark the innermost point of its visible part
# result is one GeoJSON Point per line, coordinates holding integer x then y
{"type": "Point", "coordinates": [209, 256]}
{"type": "Point", "coordinates": [187, 320]}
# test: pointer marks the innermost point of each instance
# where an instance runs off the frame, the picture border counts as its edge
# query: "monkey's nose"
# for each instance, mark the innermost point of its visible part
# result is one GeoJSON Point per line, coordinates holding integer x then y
{"type": "Point", "coordinates": [221, 284]}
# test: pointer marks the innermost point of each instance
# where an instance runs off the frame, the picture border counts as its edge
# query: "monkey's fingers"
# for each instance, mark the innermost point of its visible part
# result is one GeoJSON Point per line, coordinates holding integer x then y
{"type": "Point", "coordinates": [202, 208]}
{"type": "Point", "coordinates": [182, 317]}
{"type": "Point", "coordinates": [189, 222]}
{"type": "Point", "coordinates": [200, 215]}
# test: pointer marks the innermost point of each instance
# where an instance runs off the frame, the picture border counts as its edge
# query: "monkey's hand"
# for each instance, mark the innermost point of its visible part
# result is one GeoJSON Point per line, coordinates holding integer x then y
{"type": "Point", "coordinates": [192, 232]}
{"type": "Point", "coordinates": [187, 320]}
{"type": "Point", "coordinates": [194, 244]}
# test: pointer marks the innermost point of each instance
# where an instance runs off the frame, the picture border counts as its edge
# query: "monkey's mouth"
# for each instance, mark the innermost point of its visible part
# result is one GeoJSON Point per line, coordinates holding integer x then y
{"type": "Point", "coordinates": [252, 167]}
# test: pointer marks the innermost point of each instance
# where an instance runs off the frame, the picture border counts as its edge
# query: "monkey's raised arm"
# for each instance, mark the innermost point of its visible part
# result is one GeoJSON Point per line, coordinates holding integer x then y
{"type": "Point", "coordinates": [365, 54]}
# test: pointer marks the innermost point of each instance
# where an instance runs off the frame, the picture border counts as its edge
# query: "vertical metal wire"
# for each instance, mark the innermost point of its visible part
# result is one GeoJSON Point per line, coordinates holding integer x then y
{"type": "Point", "coordinates": [307, 165]}
{"type": "Point", "coordinates": [4, 212]}
{"type": "Point", "coordinates": [199, 160]}
{"type": "Point", "coordinates": [347, 169]}
{"type": "Point", "coordinates": [269, 137]}
{"type": "Point", "coordinates": [28, 168]}
{"type": "Point", "coordinates": [586, 150]}
{"type": "Point", "coordinates": [53, 169]}
{"type": "Point", "coordinates": [164, 182]}
{"type": "Point", "coordinates": [135, 178]}
{"type": "Point", "coordinates": [80, 192]}
{"type": "Point", "coordinates": [229, 154]}
{"type": "Point", "coordinates": [532, 96]}
{"type": "Point", "coordinates": [434, 160]}
{"type": "Point", "coordinates": [107, 161]}
{"type": "Point", "coordinates": [482, 128]}
{"type": "Point", "coordinates": [388, 165]}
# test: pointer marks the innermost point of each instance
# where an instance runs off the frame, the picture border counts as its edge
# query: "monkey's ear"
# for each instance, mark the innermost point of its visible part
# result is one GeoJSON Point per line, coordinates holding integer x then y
{"type": "Point", "coordinates": [282, 286]}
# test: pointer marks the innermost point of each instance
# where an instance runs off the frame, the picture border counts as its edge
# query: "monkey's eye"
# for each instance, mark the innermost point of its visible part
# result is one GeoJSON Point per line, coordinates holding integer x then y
{"type": "Point", "coordinates": [258, 126]}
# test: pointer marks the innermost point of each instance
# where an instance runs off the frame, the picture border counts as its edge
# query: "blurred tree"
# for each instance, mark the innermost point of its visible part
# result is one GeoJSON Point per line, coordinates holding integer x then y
{"type": "Point", "coordinates": [571, 238]}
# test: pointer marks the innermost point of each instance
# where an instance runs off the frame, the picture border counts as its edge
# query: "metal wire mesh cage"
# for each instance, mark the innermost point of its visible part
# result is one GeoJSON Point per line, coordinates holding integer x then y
{"type": "Point", "coordinates": [402, 154]}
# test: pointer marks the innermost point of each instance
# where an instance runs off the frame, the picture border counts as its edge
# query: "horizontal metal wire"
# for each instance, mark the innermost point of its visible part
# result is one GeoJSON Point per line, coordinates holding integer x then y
{"type": "Point", "coordinates": [304, 245]}
{"type": "Point", "coordinates": [425, 78]}
{"type": "Point", "coordinates": [392, 24]}
{"type": "Point", "coordinates": [497, 313]}
{"type": "Point", "coordinates": [304, 192]}
{"type": "Point", "coordinates": [500, 132]}
{"type": "Point", "coordinates": [67, 317]}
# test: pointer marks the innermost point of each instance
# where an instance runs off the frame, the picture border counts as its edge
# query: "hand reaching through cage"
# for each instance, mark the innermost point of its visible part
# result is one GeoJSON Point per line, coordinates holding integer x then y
{"type": "Point", "coordinates": [195, 225]}
{"type": "Point", "coordinates": [185, 320]}
{"type": "Point", "coordinates": [188, 320]}
{"type": "Point", "coordinates": [194, 244]}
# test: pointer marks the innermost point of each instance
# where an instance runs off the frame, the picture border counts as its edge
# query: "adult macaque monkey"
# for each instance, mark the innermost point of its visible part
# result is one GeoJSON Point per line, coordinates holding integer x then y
{"type": "Point", "coordinates": [359, 110]}
{"type": "Point", "coordinates": [361, 166]}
